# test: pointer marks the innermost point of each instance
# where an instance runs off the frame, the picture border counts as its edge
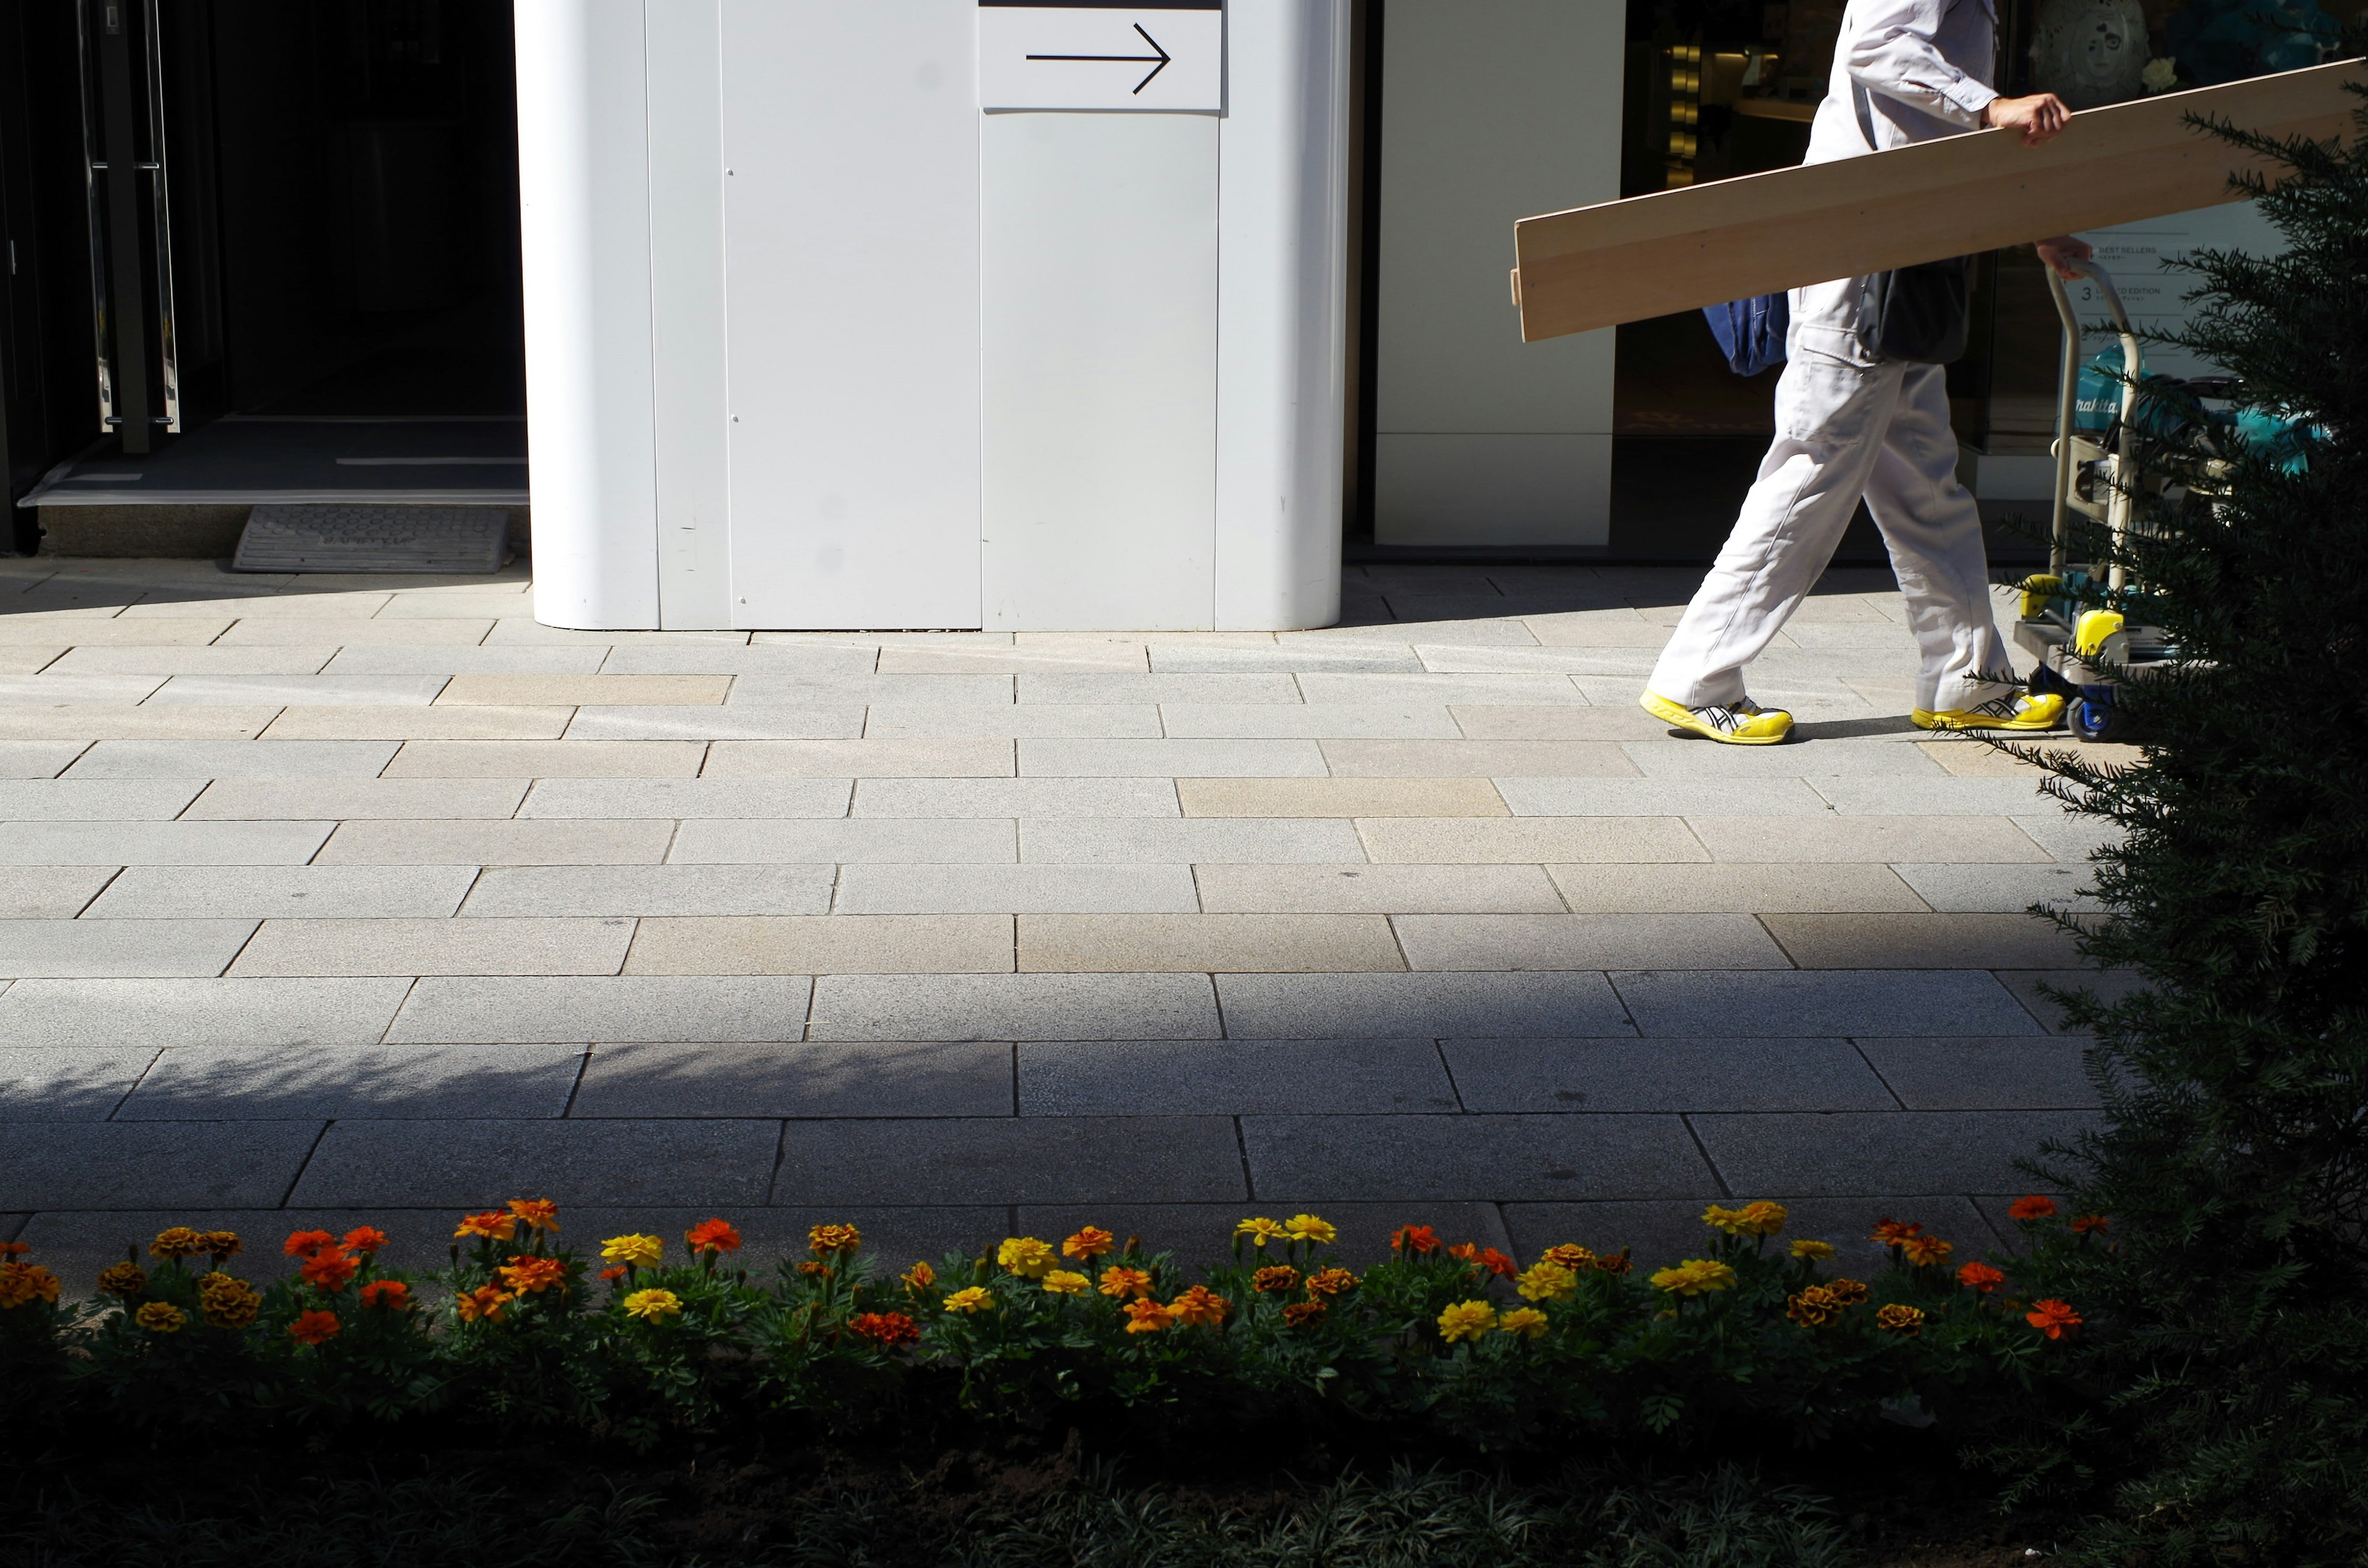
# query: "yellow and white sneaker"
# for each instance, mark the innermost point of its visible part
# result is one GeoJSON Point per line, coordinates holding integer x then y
{"type": "Point", "coordinates": [1740, 723]}
{"type": "Point", "coordinates": [2015, 710]}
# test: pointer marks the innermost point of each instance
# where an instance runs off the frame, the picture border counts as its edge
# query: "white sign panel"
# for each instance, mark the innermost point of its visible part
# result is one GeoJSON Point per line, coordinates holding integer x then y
{"type": "Point", "coordinates": [1168, 57]}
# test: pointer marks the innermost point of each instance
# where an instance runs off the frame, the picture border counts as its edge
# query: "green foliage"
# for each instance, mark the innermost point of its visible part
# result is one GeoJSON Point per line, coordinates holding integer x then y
{"type": "Point", "coordinates": [2232, 1155]}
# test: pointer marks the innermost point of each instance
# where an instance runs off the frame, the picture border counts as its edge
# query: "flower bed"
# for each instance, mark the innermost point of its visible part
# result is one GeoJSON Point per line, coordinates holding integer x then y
{"type": "Point", "coordinates": [645, 1338]}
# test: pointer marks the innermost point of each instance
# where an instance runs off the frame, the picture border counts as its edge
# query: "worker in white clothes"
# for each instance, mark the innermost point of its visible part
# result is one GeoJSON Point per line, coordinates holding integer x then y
{"type": "Point", "coordinates": [1849, 424]}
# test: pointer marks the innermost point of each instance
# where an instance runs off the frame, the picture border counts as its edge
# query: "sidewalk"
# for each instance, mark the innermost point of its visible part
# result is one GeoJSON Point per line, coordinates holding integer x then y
{"type": "Point", "coordinates": [370, 899]}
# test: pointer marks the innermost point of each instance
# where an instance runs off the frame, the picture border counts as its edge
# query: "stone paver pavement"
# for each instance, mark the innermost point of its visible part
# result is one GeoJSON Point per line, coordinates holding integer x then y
{"type": "Point", "coordinates": [365, 899]}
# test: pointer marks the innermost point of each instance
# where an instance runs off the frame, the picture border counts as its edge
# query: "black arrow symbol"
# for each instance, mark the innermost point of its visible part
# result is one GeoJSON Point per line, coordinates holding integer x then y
{"type": "Point", "coordinates": [1163, 57]}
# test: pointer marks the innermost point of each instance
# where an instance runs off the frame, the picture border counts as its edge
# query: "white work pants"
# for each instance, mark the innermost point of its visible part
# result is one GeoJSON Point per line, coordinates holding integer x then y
{"type": "Point", "coordinates": [1845, 428]}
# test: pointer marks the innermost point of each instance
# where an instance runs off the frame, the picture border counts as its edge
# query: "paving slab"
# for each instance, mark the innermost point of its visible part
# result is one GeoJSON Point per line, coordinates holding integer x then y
{"type": "Point", "coordinates": [526, 945]}
{"type": "Point", "coordinates": [255, 892]}
{"type": "Point", "coordinates": [37, 759]}
{"type": "Point", "coordinates": [22, 629]}
{"type": "Point", "coordinates": [686, 798]}
{"type": "Point", "coordinates": [667, 656]}
{"type": "Point", "coordinates": [464, 1165]}
{"type": "Point", "coordinates": [1433, 1006]}
{"type": "Point", "coordinates": [199, 1012]}
{"type": "Point", "coordinates": [1037, 721]}
{"type": "Point", "coordinates": [1067, 799]}
{"type": "Point", "coordinates": [96, 800]}
{"type": "Point", "coordinates": [861, 759]}
{"type": "Point", "coordinates": [1500, 760]}
{"type": "Point", "coordinates": [2064, 835]}
{"type": "Point", "coordinates": [577, 691]}
{"type": "Point", "coordinates": [2014, 1073]}
{"type": "Point", "coordinates": [283, 631]}
{"type": "Point", "coordinates": [1664, 1075]}
{"type": "Point", "coordinates": [1121, 758]}
{"type": "Point", "coordinates": [1297, 658]}
{"type": "Point", "coordinates": [1707, 1003]}
{"type": "Point", "coordinates": [1013, 1007]}
{"type": "Point", "coordinates": [1037, 888]}
{"type": "Point", "coordinates": [1511, 840]}
{"type": "Point", "coordinates": [81, 949]}
{"type": "Point", "coordinates": [1365, 689]}
{"type": "Point", "coordinates": [1151, 841]}
{"type": "Point", "coordinates": [1585, 941]}
{"type": "Point", "coordinates": [87, 721]}
{"type": "Point", "coordinates": [317, 800]}
{"type": "Point", "coordinates": [602, 1008]}
{"type": "Point", "coordinates": [1361, 888]}
{"type": "Point", "coordinates": [903, 691]}
{"type": "Point", "coordinates": [1662, 1232]}
{"type": "Point", "coordinates": [1557, 721]}
{"type": "Point", "coordinates": [162, 843]}
{"type": "Point", "coordinates": [1418, 798]}
{"type": "Point", "coordinates": [232, 759]}
{"type": "Point", "coordinates": [1465, 1158]}
{"type": "Point", "coordinates": [1842, 1152]}
{"type": "Point", "coordinates": [1788, 840]}
{"type": "Point", "coordinates": [652, 890]}
{"type": "Point", "coordinates": [246, 1083]}
{"type": "Point", "coordinates": [2033, 988]}
{"type": "Point", "coordinates": [547, 759]}
{"type": "Point", "coordinates": [173, 659]}
{"type": "Point", "coordinates": [50, 892]}
{"type": "Point", "coordinates": [447, 841]}
{"type": "Point", "coordinates": [1858, 756]}
{"type": "Point", "coordinates": [1732, 889]}
{"type": "Point", "coordinates": [2001, 890]}
{"type": "Point", "coordinates": [782, 722]}
{"type": "Point", "coordinates": [1407, 719]}
{"type": "Point", "coordinates": [1660, 797]}
{"type": "Point", "coordinates": [1275, 687]}
{"type": "Point", "coordinates": [1207, 943]}
{"type": "Point", "coordinates": [312, 691]}
{"type": "Point", "coordinates": [68, 1083]}
{"type": "Point", "coordinates": [876, 1078]}
{"type": "Point", "coordinates": [411, 659]}
{"type": "Point", "coordinates": [824, 944]}
{"type": "Point", "coordinates": [429, 724]}
{"type": "Point", "coordinates": [1232, 1077]}
{"type": "Point", "coordinates": [1923, 941]}
{"type": "Point", "coordinates": [1048, 1160]}
{"type": "Point", "coordinates": [1852, 795]}
{"type": "Point", "coordinates": [1065, 658]}
{"type": "Point", "coordinates": [116, 1165]}
{"type": "Point", "coordinates": [57, 690]}
{"type": "Point", "coordinates": [873, 842]}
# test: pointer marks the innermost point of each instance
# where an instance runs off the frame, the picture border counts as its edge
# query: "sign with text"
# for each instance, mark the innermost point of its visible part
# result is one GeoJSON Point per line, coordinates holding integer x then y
{"type": "Point", "coordinates": [1169, 55]}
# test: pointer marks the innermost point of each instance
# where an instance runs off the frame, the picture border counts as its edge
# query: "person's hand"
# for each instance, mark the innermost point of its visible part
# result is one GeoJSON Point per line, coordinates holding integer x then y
{"type": "Point", "coordinates": [2039, 117]}
{"type": "Point", "coordinates": [2059, 252]}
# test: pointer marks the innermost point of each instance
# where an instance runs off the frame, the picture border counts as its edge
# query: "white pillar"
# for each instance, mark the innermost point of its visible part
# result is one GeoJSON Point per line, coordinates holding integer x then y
{"type": "Point", "coordinates": [584, 217]}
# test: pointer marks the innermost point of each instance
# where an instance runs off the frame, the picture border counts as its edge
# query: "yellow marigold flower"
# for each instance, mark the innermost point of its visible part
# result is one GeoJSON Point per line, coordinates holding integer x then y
{"type": "Point", "coordinates": [1695, 1276]}
{"type": "Point", "coordinates": [1260, 1231]}
{"type": "Point", "coordinates": [1467, 1320]}
{"type": "Point", "coordinates": [1309, 1229]}
{"type": "Point", "coordinates": [1090, 1242]}
{"type": "Point", "coordinates": [1066, 1282]}
{"type": "Point", "coordinates": [123, 1280]}
{"type": "Point", "coordinates": [643, 1252]}
{"type": "Point", "coordinates": [651, 1305]}
{"type": "Point", "coordinates": [1901, 1319]}
{"type": "Point", "coordinates": [1806, 1248]}
{"type": "Point", "coordinates": [1546, 1282]}
{"type": "Point", "coordinates": [1569, 1256]}
{"type": "Point", "coordinates": [825, 1240]}
{"type": "Point", "coordinates": [970, 1299]}
{"type": "Point", "coordinates": [1120, 1280]}
{"type": "Point", "coordinates": [1026, 1257]}
{"type": "Point", "coordinates": [23, 1282]}
{"type": "Point", "coordinates": [161, 1317]}
{"type": "Point", "coordinates": [1528, 1323]}
{"type": "Point", "coordinates": [918, 1277]}
{"type": "Point", "coordinates": [178, 1240]}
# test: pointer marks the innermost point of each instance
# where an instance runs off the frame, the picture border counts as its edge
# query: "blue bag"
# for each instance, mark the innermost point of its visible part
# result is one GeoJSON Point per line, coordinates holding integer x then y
{"type": "Point", "coordinates": [1750, 333]}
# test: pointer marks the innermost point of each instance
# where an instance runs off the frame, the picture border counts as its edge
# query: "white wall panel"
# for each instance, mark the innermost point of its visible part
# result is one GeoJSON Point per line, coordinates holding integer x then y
{"type": "Point", "coordinates": [1098, 270]}
{"type": "Point", "coordinates": [850, 135]}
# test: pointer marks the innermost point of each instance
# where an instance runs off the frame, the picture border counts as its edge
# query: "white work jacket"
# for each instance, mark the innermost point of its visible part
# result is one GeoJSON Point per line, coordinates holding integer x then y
{"type": "Point", "coordinates": [1906, 70]}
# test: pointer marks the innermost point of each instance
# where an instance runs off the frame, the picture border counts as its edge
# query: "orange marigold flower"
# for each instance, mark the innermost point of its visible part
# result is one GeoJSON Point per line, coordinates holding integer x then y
{"type": "Point", "coordinates": [161, 1317]}
{"type": "Point", "coordinates": [1090, 1242]}
{"type": "Point", "coordinates": [1120, 1280]}
{"type": "Point", "coordinates": [1570, 1255]}
{"type": "Point", "coordinates": [177, 1241]}
{"type": "Point", "coordinates": [539, 1213]}
{"type": "Point", "coordinates": [228, 1302]}
{"type": "Point", "coordinates": [532, 1276]}
{"type": "Point", "coordinates": [1331, 1282]}
{"type": "Point", "coordinates": [1924, 1250]}
{"type": "Point", "coordinates": [2089, 1224]}
{"type": "Point", "coordinates": [329, 1269]}
{"type": "Point", "coordinates": [614, 1272]}
{"type": "Point", "coordinates": [1891, 1233]}
{"type": "Point", "coordinates": [1901, 1319]}
{"type": "Point", "coordinates": [1615, 1262]}
{"type": "Point", "coordinates": [825, 1240]}
{"type": "Point", "coordinates": [1464, 1252]}
{"type": "Point", "coordinates": [1414, 1239]}
{"type": "Point", "coordinates": [2052, 1318]}
{"type": "Point", "coordinates": [314, 1327]}
{"type": "Point", "coordinates": [1813, 1307]}
{"type": "Point", "coordinates": [887, 1330]}
{"type": "Point", "coordinates": [918, 1277]}
{"type": "Point", "coordinates": [364, 1240]}
{"type": "Point", "coordinates": [304, 1244]}
{"type": "Point", "coordinates": [1981, 1277]}
{"type": "Point", "coordinates": [123, 1280]}
{"type": "Point", "coordinates": [15, 1249]}
{"type": "Point", "coordinates": [1497, 1264]}
{"type": "Point", "coordinates": [392, 1294]}
{"type": "Point", "coordinates": [814, 1268]}
{"type": "Point", "coordinates": [1849, 1292]}
{"type": "Point", "coordinates": [713, 1235]}
{"type": "Point", "coordinates": [1147, 1317]}
{"type": "Point", "coordinates": [485, 1301]}
{"type": "Point", "coordinates": [1275, 1279]}
{"type": "Point", "coordinates": [2031, 1207]}
{"type": "Point", "coordinates": [1299, 1315]}
{"type": "Point", "coordinates": [1201, 1307]}
{"type": "Point", "coordinates": [24, 1282]}
{"type": "Point", "coordinates": [222, 1244]}
{"type": "Point", "coordinates": [493, 1224]}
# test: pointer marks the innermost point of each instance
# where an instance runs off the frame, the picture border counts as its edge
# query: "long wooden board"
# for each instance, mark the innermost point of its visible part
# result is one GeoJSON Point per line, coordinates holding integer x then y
{"type": "Point", "coordinates": [1678, 250]}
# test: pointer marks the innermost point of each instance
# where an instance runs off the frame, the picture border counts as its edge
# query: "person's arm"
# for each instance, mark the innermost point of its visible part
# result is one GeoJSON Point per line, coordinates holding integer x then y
{"type": "Point", "coordinates": [2062, 250]}
{"type": "Point", "coordinates": [1895, 51]}
{"type": "Point", "coordinates": [2039, 117]}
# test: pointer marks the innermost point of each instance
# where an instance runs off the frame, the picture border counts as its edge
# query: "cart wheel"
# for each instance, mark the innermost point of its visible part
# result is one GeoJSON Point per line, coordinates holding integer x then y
{"type": "Point", "coordinates": [2096, 720]}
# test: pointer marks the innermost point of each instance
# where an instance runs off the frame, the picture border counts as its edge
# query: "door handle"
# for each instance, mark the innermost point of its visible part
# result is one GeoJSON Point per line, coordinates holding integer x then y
{"type": "Point", "coordinates": [169, 358]}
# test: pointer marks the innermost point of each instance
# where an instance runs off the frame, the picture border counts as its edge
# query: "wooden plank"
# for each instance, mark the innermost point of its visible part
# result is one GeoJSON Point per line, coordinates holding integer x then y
{"type": "Point", "coordinates": [1678, 250]}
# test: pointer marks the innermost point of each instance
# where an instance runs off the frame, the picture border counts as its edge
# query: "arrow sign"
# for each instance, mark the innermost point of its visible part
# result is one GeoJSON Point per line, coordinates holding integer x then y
{"type": "Point", "coordinates": [1055, 56]}
{"type": "Point", "coordinates": [1163, 57]}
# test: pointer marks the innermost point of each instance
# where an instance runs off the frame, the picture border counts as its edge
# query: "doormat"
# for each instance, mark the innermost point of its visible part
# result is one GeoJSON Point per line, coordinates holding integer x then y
{"type": "Point", "coordinates": [374, 539]}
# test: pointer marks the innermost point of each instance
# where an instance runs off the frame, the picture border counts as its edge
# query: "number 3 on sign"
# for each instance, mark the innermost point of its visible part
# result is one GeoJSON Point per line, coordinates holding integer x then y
{"type": "Point", "coordinates": [1165, 57]}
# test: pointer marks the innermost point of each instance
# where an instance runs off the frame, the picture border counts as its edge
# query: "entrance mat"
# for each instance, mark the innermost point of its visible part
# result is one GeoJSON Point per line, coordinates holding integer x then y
{"type": "Point", "coordinates": [374, 539]}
